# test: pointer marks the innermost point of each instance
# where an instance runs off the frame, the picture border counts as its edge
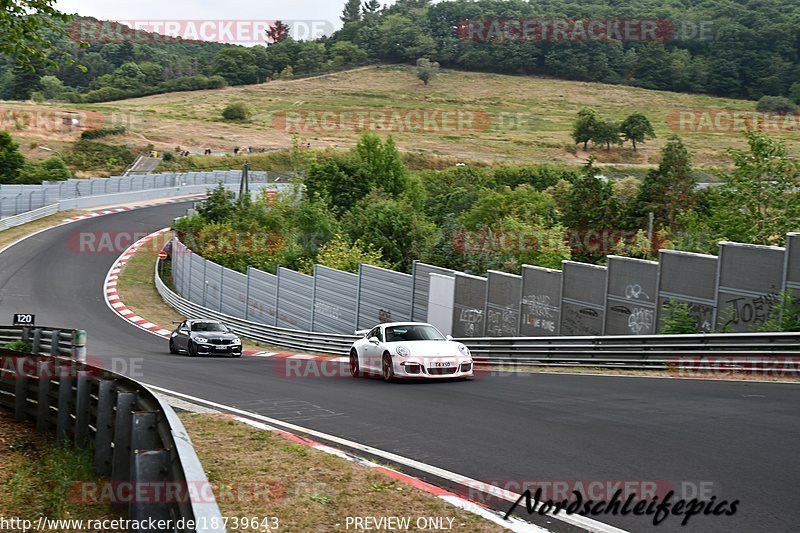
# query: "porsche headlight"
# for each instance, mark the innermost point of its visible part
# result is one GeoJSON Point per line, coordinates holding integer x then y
{"type": "Point", "coordinates": [402, 351]}
{"type": "Point", "coordinates": [201, 340]}
{"type": "Point", "coordinates": [464, 350]}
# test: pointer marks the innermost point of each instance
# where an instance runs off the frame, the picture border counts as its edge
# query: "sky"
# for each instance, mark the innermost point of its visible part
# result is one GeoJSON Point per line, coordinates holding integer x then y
{"type": "Point", "coordinates": [315, 15]}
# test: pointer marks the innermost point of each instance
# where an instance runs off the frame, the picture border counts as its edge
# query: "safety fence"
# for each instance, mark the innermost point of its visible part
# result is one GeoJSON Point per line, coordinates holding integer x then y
{"type": "Point", "coordinates": [137, 439]}
{"type": "Point", "coordinates": [289, 338]}
{"type": "Point", "coordinates": [733, 292]}
{"type": "Point", "coordinates": [770, 354]}
{"type": "Point", "coordinates": [16, 199]}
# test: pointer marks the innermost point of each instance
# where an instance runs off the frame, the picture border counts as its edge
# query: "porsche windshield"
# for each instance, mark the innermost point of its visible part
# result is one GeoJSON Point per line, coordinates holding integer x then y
{"type": "Point", "coordinates": [212, 327]}
{"type": "Point", "coordinates": [413, 333]}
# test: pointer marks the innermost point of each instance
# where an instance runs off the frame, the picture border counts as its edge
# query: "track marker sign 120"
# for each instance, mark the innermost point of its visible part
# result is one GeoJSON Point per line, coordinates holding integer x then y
{"type": "Point", "coordinates": [24, 319]}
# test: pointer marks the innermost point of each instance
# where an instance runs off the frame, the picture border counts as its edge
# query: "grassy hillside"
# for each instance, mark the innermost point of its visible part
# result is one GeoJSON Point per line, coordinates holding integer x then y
{"type": "Point", "coordinates": [542, 110]}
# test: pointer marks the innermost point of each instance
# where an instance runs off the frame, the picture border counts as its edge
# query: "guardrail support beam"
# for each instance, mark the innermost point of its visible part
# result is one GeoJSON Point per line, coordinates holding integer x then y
{"type": "Point", "coordinates": [44, 369]}
{"type": "Point", "coordinates": [150, 467]}
{"type": "Point", "coordinates": [144, 432]}
{"type": "Point", "coordinates": [104, 427]}
{"type": "Point", "coordinates": [64, 419]}
{"type": "Point", "coordinates": [120, 461]}
{"type": "Point", "coordinates": [82, 403]}
{"type": "Point", "coordinates": [21, 381]}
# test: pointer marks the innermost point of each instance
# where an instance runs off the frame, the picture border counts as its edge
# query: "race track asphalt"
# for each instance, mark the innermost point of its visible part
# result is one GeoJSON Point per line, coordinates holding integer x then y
{"type": "Point", "coordinates": [741, 437]}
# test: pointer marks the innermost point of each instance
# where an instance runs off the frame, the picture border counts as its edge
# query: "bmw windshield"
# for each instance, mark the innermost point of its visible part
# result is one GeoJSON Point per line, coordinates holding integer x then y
{"type": "Point", "coordinates": [210, 327]}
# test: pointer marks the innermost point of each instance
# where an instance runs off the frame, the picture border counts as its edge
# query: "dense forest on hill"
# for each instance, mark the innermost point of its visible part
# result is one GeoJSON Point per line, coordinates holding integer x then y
{"type": "Point", "coordinates": [734, 48]}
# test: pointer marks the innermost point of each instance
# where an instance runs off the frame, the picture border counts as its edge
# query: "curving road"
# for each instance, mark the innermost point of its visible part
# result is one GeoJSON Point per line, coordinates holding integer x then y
{"type": "Point", "coordinates": [743, 438]}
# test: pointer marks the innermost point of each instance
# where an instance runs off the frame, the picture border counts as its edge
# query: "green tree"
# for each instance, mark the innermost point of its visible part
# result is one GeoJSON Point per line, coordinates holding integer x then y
{"type": "Point", "coordinates": [590, 206]}
{"type": "Point", "coordinates": [794, 92]}
{"type": "Point", "coordinates": [347, 53]}
{"type": "Point", "coordinates": [523, 203]}
{"type": "Point", "coordinates": [678, 319]}
{"type": "Point", "coordinates": [775, 104]}
{"type": "Point", "coordinates": [51, 169]}
{"type": "Point", "coordinates": [236, 65]}
{"type": "Point", "coordinates": [784, 315]}
{"type": "Point", "coordinates": [585, 127]}
{"type": "Point", "coordinates": [344, 254]}
{"type": "Point", "coordinates": [402, 233]}
{"type": "Point", "coordinates": [758, 201]}
{"type": "Point", "coordinates": [236, 112]}
{"type": "Point", "coordinates": [219, 206]}
{"type": "Point", "coordinates": [426, 70]}
{"type": "Point", "coordinates": [338, 181]}
{"type": "Point", "coordinates": [669, 189]}
{"type": "Point", "coordinates": [315, 224]}
{"type": "Point", "coordinates": [607, 132]}
{"type": "Point", "coordinates": [380, 163]}
{"type": "Point", "coordinates": [24, 81]}
{"type": "Point", "coordinates": [52, 87]}
{"type": "Point", "coordinates": [30, 30]}
{"type": "Point", "coordinates": [351, 12]}
{"type": "Point", "coordinates": [371, 8]}
{"type": "Point", "coordinates": [10, 158]}
{"type": "Point", "coordinates": [636, 128]}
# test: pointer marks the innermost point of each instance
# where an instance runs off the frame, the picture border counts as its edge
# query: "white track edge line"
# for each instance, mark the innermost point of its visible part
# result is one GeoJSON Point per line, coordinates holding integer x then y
{"type": "Point", "coordinates": [575, 520]}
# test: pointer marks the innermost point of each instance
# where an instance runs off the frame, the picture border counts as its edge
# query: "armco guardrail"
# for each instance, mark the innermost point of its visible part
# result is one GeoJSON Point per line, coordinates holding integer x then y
{"type": "Point", "coordinates": [728, 351]}
{"type": "Point", "coordinates": [136, 437]}
{"type": "Point", "coordinates": [52, 341]}
{"type": "Point", "coordinates": [30, 216]}
{"type": "Point", "coordinates": [289, 338]}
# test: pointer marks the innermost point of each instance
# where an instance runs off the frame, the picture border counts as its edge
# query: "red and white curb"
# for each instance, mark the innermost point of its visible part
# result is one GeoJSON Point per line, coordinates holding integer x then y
{"type": "Point", "coordinates": [112, 211]}
{"type": "Point", "coordinates": [114, 301]}
{"type": "Point", "coordinates": [512, 524]}
{"type": "Point", "coordinates": [112, 296]}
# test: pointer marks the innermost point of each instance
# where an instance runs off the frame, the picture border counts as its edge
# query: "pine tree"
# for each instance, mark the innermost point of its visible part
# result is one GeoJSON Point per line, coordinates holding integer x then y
{"type": "Point", "coordinates": [351, 12]}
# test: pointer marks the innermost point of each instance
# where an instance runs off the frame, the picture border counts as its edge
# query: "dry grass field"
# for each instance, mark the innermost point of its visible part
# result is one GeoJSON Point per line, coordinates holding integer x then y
{"type": "Point", "coordinates": [514, 118]}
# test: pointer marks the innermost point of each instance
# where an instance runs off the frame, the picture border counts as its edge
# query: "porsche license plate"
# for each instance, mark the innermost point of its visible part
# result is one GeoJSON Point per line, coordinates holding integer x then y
{"type": "Point", "coordinates": [442, 365]}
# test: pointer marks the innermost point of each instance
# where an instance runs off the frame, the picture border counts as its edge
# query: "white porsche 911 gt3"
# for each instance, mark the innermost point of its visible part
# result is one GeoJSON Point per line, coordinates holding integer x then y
{"type": "Point", "coordinates": [409, 350]}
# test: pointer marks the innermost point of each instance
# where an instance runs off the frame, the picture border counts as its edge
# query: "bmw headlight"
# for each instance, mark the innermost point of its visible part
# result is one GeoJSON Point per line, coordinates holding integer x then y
{"type": "Point", "coordinates": [201, 340]}
{"type": "Point", "coordinates": [402, 351]}
{"type": "Point", "coordinates": [464, 350]}
{"type": "Point", "coordinates": [236, 341]}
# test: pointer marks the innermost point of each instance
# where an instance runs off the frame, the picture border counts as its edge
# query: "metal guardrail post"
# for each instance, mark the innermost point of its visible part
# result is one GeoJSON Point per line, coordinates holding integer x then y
{"type": "Point", "coordinates": [43, 395]}
{"type": "Point", "coordinates": [37, 340]}
{"type": "Point", "coordinates": [55, 338]}
{"type": "Point", "coordinates": [144, 432]}
{"type": "Point", "coordinates": [150, 466]}
{"type": "Point", "coordinates": [123, 425]}
{"type": "Point", "coordinates": [104, 427]}
{"type": "Point", "coordinates": [82, 404]}
{"type": "Point", "coordinates": [21, 381]}
{"type": "Point", "coordinates": [65, 404]}
{"type": "Point", "coordinates": [79, 345]}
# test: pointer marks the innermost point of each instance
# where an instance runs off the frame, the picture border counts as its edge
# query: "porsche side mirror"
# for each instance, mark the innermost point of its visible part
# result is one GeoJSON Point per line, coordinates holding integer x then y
{"type": "Point", "coordinates": [448, 337]}
{"type": "Point", "coordinates": [374, 340]}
